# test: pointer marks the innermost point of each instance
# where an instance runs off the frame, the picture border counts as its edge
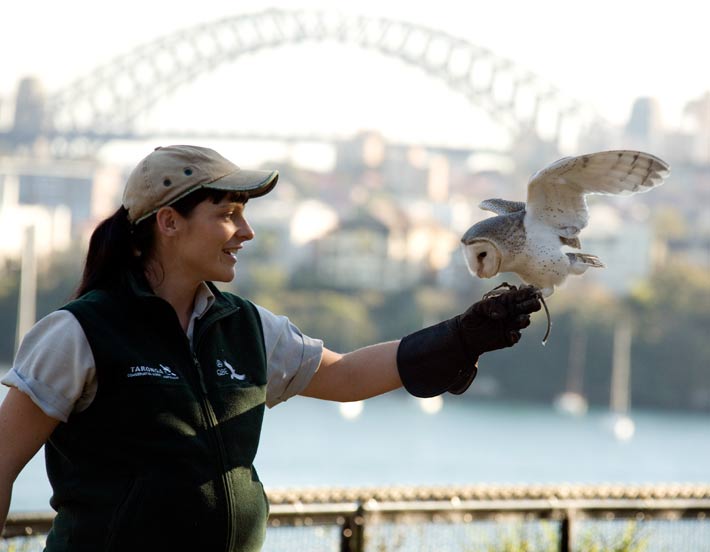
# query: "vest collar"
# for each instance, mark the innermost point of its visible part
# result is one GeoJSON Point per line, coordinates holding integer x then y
{"type": "Point", "coordinates": [139, 287]}
{"type": "Point", "coordinates": [138, 284]}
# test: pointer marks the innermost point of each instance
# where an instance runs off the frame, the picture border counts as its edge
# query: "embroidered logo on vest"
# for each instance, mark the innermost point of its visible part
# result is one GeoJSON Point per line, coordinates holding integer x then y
{"type": "Point", "coordinates": [164, 372]}
{"type": "Point", "coordinates": [224, 368]}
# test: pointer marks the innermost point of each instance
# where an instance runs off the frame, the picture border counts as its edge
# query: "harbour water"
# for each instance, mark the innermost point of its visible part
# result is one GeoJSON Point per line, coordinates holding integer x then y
{"type": "Point", "coordinates": [394, 441]}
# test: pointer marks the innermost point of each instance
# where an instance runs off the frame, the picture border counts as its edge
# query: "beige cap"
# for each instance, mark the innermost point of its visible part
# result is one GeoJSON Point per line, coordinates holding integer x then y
{"type": "Point", "coordinates": [170, 173]}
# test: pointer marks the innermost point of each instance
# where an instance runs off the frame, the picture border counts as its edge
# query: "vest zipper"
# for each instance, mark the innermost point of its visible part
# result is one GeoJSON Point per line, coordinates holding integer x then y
{"type": "Point", "coordinates": [198, 369]}
{"type": "Point", "coordinates": [222, 453]}
{"type": "Point", "coordinates": [211, 418]}
{"type": "Point", "coordinates": [213, 424]}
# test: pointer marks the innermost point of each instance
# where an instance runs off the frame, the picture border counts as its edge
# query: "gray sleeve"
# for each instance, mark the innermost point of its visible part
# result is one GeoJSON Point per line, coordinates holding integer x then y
{"type": "Point", "coordinates": [54, 366]}
{"type": "Point", "coordinates": [292, 358]}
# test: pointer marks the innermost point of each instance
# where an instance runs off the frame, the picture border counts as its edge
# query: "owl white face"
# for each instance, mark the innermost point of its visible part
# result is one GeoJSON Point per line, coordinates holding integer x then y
{"type": "Point", "coordinates": [483, 258]}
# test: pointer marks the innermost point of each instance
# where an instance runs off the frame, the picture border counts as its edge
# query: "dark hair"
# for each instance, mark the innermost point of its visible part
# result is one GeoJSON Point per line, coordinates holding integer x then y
{"type": "Point", "coordinates": [118, 247]}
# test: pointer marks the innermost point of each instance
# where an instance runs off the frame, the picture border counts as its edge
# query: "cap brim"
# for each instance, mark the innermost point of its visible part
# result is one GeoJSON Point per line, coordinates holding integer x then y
{"type": "Point", "coordinates": [255, 183]}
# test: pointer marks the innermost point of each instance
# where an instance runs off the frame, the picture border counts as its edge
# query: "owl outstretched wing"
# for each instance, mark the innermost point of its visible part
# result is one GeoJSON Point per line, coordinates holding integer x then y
{"type": "Point", "coordinates": [556, 194]}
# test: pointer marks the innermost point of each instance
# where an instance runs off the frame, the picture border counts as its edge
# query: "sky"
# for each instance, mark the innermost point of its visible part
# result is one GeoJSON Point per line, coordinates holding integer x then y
{"type": "Point", "coordinates": [606, 53]}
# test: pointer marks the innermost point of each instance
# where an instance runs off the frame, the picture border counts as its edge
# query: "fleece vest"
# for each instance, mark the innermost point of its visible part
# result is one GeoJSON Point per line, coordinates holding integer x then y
{"type": "Point", "coordinates": [162, 460]}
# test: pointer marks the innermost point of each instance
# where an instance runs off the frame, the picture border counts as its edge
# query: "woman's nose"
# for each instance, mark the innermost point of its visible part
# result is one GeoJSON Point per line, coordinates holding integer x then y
{"type": "Point", "coordinates": [244, 229]}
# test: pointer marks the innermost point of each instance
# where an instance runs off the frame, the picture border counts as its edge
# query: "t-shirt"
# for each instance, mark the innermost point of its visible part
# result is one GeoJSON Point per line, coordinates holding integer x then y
{"type": "Point", "coordinates": [55, 366]}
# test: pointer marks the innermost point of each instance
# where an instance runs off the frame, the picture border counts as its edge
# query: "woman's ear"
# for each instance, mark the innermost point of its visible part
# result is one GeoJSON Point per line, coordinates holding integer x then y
{"type": "Point", "coordinates": [167, 221]}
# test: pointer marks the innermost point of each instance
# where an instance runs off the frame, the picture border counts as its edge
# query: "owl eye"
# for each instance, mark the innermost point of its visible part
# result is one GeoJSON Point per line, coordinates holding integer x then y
{"type": "Point", "coordinates": [482, 255]}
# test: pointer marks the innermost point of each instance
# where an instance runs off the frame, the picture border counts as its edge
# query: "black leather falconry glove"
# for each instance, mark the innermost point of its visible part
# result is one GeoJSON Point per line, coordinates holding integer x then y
{"type": "Point", "coordinates": [444, 357]}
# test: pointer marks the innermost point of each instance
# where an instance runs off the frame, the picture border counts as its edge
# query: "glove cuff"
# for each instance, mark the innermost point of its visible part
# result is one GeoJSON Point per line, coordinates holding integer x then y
{"type": "Point", "coordinates": [434, 360]}
{"type": "Point", "coordinates": [464, 380]}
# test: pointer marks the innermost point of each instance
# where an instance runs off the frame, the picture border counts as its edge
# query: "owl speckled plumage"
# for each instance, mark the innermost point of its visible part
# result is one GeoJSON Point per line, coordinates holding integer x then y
{"type": "Point", "coordinates": [527, 238]}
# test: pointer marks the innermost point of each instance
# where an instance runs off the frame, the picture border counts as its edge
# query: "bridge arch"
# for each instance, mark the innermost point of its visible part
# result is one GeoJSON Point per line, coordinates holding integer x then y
{"type": "Point", "coordinates": [105, 103]}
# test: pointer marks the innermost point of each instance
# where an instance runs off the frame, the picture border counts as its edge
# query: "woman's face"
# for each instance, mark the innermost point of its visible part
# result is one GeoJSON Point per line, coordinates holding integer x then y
{"type": "Point", "coordinates": [209, 239]}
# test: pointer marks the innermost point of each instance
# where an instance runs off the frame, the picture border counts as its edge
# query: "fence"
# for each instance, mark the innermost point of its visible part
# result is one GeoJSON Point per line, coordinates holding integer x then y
{"type": "Point", "coordinates": [533, 518]}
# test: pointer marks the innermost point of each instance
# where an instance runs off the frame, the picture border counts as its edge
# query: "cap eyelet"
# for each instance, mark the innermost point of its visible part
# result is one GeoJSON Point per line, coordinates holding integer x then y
{"type": "Point", "coordinates": [188, 171]}
{"type": "Point", "coordinates": [167, 182]}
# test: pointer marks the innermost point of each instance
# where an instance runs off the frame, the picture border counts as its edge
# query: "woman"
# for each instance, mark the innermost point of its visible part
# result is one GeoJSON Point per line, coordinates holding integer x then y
{"type": "Point", "coordinates": [149, 389]}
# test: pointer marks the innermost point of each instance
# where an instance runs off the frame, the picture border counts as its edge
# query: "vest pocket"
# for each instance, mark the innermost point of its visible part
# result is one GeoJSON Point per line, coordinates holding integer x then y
{"type": "Point", "coordinates": [164, 511]}
{"type": "Point", "coordinates": [121, 515]}
{"type": "Point", "coordinates": [255, 479]}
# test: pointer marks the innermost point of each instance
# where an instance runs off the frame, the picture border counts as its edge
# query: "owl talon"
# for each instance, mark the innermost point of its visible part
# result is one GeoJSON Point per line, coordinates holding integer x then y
{"type": "Point", "coordinates": [499, 290]}
{"type": "Point", "coordinates": [505, 286]}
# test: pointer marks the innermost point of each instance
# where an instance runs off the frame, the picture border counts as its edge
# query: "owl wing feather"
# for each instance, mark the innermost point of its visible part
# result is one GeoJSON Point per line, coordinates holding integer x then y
{"type": "Point", "coordinates": [556, 193]}
{"type": "Point", "coordinates": [501, 206]}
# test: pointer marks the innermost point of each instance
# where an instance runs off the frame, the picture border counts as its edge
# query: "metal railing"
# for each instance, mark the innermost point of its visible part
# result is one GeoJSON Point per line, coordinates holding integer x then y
{"type": "Point", "coordinates": [529, 518]}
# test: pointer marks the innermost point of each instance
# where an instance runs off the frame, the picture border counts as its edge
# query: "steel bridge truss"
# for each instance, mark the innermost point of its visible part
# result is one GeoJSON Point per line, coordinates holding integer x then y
{"type": "Point", "coordinates": [105, 104]}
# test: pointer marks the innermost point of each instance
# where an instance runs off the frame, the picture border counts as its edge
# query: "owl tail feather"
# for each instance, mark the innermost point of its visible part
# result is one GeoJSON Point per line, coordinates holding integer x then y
{"type": "Point", "coordinates": [579, 262]}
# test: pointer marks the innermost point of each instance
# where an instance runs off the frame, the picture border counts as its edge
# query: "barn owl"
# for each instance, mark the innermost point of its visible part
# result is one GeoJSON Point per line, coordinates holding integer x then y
{"type": "Point", "coordinates": [527, 237]}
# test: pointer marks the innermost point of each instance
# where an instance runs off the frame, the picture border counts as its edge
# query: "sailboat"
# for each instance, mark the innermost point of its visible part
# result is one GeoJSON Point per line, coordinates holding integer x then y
{"type": "Point", "coordinates": [572, 401]}
{"type": "Point", "coordinates": [622, 425]}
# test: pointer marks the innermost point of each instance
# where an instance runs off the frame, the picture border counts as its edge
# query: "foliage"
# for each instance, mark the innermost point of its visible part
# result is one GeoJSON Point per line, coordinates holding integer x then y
{"type": "Point", "coordinates": [23, 544]}
{"type": "Point", "coordinates": [57, 281]}
{"type": "Point", "coordinates": [544, 539]}
{"type": "Point", "coordinates": [8, 316]}
{"type": "Point", "coordinates": [342, 321]}
{"type": "Point", "coordinates": [630, 540]}
{"type": "Point", "coordinates": [670, 314]}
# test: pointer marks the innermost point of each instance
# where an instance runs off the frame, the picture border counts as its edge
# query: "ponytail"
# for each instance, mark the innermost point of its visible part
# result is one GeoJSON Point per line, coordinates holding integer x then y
{"type": "Point", "coordinates": [116, 247]}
